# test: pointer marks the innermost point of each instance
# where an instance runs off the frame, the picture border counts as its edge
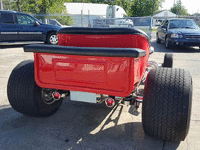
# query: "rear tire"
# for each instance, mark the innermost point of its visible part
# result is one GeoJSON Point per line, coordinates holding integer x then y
{"type": "Point", "coordinates": [168, 61]}
{"type": "Point", "coordinates": [52, 38]}
{"type": "Point", "coordinates": [167, 103]}
{"type": "Point", "coordinates": [24, 95]}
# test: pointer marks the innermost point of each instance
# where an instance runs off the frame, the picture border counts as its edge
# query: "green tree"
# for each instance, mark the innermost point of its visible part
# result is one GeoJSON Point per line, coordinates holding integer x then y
{"type": "Point", "coordinates": [179, 9]}
{"type": "Point", "coordinates": [52, 9]}
{"type": "Point", "coordinates": [42, 9]}
{"type": "Point", "coordinates": [9, 5]}
{"type": "Point", "coordinates": [125, 4]}
{"type": "Point", "coordinates": [196, 14]}
{"type": "Point", "coordinates": [6, 5]}
{"type": "Point", "coordinates": [144, 7]}
{"type": "Point", "coordinates": [16, 5]}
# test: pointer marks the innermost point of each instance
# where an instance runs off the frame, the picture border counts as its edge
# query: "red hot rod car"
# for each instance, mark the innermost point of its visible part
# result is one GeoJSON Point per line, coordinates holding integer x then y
{"type": "Point", "coordinates": [112, 63]}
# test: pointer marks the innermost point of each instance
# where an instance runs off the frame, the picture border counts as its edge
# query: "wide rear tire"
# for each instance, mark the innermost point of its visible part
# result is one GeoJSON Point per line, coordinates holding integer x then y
{"type": "Point", "coordinates": [24, 95]}
{"type": "Point", "coordinates": [167, 103]}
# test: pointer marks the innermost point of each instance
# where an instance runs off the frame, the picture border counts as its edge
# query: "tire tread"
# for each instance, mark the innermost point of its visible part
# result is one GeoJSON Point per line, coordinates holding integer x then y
{"type": "Point", "coordinates": [23, 93]}
{"type": "Point", "coordinates": [167, 104]}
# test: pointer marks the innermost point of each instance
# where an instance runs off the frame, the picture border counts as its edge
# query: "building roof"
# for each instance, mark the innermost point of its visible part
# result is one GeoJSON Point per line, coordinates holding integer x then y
{"type": "Point", "coordinates": [94, 9]}
{"type": "Point", "coordinates": [165, 13]}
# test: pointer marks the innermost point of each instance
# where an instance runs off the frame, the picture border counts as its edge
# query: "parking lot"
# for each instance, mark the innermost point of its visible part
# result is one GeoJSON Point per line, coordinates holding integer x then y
{"type": "Point", "coordinates": [85, 126]}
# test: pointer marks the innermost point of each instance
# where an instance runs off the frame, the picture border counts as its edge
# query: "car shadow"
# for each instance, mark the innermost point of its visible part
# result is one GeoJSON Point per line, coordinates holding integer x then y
{"type": "Point", "coordinates": [18, 45]}
{"type": "Point", "coordinates": [160, 47]}
{"type": "Point", "coordinates": [12, 46]}
{"type": "Point", "coordinates": [76, 125]}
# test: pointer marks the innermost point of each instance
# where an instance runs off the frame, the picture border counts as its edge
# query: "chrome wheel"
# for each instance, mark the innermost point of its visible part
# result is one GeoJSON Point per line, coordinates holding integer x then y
{"type": "Point", "coordinates": [53, 39]}
{"type": "Point", "coordinates": [167, 43]}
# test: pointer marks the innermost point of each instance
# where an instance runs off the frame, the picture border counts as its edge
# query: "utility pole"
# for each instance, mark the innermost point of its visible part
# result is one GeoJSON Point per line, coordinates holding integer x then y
{"type": "Point", "coordinates": [1, 4]}
{"type": "Point", "coordinates": [179, 7]}
{"type": "Point", "coordinates": [153, 7]}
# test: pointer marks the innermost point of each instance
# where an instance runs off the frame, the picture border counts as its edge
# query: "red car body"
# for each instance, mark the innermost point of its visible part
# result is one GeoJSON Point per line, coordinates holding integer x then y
{"type": "Point", "coordinates": [94, 73]}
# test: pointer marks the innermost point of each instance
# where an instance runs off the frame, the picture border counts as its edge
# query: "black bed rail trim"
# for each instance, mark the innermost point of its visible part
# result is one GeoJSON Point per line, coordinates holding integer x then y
{"type": "Point", "coordinates": [86, 51]}
{"type": "Point", "coordinates": [101, 31]}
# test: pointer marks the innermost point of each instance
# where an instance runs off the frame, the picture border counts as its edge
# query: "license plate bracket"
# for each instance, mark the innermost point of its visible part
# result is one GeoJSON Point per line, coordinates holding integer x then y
{"type": "Point", "coordinates": [83, 96]}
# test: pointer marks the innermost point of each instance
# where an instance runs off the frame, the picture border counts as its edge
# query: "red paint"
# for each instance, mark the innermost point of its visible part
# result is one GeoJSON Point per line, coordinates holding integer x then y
{"type": "Point", "coordinates": [114, 76]}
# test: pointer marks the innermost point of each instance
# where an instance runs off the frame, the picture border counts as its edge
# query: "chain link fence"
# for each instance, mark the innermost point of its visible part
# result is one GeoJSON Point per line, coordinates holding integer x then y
{"type": "Point", "coordinates": [142, 23]}
{"type": "Point", "coordinates": [195, 18]}
{"type": "Point", "coordinates": [54, 19]}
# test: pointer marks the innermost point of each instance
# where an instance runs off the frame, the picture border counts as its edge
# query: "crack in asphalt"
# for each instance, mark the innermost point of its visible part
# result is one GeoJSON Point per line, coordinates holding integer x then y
{"type": "Point", "coordinates": [4, 77]}
{"type": "Point", "coordinates": [163, 146]}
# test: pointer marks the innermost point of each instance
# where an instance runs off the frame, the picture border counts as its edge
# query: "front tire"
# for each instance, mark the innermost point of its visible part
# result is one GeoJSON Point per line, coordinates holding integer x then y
{"type": "Point", "coordinates": [24, 95]}
{"type": "Point", "coordinates": [168, 44]}
{"type": "Point", "coordinates": [167, 103]}
{"type": "Point", "coordinates": [157, 39]}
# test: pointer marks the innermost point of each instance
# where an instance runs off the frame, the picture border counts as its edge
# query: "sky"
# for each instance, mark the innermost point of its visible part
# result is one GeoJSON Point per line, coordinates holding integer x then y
{"type": "Point", "coordinates": [192, 6]}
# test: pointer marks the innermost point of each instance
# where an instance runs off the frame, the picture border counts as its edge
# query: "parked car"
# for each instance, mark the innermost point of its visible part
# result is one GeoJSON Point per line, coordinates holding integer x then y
{"type": "Point", "coordinates": [19, 27]}
{"type": "Point", "coordinates": [184, 32]}
{"type": "Point", "coordinates": [56, 23]}
{"type": "Point", "coordinates": [159, 22]}
{"type": "Point", "coordinates": [122, 23]}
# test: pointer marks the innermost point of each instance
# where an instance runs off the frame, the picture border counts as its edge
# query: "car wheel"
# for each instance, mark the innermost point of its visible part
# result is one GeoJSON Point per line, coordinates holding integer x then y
{"type": "Point", "coordinates": [166, 108]}
{"type": "Point", "coordinates": [25, 96]}
{"type": "Point", "coordinates": [52, 38]}
{"type": "Point", "coordinates": [157, 38]}
{"type": "Point", "coordinates": [168, 61]}
{"type": "Point", "coordinates": [167, 43]}
{"type": "Point", "coordinates": [130, 25]}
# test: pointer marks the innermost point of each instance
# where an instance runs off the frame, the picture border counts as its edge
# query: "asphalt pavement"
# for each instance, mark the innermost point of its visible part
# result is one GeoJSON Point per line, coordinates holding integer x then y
{"type": "Point", "coordinates": [83, 126]}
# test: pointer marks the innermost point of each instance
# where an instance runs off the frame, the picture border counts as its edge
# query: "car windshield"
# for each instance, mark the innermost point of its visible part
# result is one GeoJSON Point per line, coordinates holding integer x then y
{"type": "Point", "coordinates": [190, 24]}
